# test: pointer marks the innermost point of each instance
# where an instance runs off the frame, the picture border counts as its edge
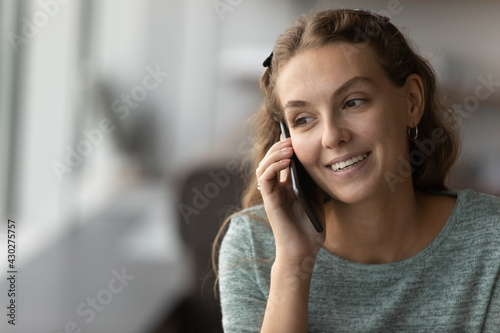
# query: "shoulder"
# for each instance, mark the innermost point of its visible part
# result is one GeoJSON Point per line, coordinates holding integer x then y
{"type": "Point", "coordinates": [251, 221]}
{"type": "Point", "coordinates": [484, 203]}
{"type": "Point", "coordinates": [477, 219]}
{"type": "Point", "coordinates": [249, 236]}
{"type": "Point", "coordinates": [255, 215]}
{"type": "Point", "coordinates": [478, 207]}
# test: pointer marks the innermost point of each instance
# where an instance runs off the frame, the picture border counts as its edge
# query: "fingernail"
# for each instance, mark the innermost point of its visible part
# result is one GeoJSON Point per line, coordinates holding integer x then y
{"type": "Point", "coordinates": [285, 140]}
{"type": "Point", "coordinates": [286, 149]}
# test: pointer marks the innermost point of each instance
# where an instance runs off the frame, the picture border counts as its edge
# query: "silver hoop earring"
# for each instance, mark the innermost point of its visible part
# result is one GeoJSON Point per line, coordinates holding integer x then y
{"type": "Point", "coordinates": [415, 136]}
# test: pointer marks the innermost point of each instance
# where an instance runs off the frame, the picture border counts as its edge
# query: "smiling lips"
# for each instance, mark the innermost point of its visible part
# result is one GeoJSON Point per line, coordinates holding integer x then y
{"type": "Point", "coordinates": [344, 165]}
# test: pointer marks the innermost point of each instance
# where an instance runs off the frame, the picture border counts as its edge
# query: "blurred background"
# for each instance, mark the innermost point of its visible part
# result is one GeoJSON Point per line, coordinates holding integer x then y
{"type": "Point", "coordinates": [122, 125]}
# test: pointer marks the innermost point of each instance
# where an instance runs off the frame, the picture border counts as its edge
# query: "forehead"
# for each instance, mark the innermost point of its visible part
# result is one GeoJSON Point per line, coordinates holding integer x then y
{"type": "Point", "coordinates": [332, 64]}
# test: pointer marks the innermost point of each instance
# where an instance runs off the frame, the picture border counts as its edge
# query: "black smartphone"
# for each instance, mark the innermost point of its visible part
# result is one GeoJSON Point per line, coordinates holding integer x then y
{"type": "Point", "coordinates": [305, 188]}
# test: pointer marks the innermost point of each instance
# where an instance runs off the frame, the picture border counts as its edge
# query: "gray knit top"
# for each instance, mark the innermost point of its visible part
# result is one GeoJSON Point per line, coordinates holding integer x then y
{"type": "Point", "coordinates": [453, 285]}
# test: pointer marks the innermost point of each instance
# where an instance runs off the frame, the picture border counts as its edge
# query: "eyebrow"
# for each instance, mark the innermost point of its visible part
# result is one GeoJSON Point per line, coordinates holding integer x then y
{"type": "Point", "coordinates": [349, 84]}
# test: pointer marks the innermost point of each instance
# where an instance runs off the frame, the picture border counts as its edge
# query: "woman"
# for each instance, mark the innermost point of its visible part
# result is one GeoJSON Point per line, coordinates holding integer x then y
{"type": "Point", "coordinates": [399, 251]}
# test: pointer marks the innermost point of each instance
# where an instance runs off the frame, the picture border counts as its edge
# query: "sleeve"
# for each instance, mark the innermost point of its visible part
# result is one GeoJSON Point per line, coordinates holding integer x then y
{"type": "Point", "coordinates": [242, 301]}
{"type": "Point", "coordinates": [492, 319]}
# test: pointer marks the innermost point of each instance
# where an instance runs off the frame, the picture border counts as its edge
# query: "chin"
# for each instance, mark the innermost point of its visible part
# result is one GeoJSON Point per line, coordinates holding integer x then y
{"type": "Point", "coordinates": [349, 199]}
{"type": "Point", "coordinates": [353, 194]}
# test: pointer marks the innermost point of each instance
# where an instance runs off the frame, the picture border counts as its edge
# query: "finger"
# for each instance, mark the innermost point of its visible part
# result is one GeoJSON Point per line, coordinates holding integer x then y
{"type": "Point", "coordinates": [278, 146]}
{"type": "Point", "coordinates": [284, 175]}
{"type": "Point", "coordinates": [268, 179]}
{"type": "Point", "coordinates": [273, 157]}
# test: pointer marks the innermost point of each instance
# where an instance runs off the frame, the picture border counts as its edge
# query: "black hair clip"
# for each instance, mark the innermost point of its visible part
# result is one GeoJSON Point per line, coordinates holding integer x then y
{"type": "Point", "coordinates": [267, 62]}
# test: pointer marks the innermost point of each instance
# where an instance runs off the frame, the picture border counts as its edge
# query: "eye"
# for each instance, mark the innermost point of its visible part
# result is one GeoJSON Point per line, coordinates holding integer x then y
{"type": "Point", "coordinates": [354, 103]}
{"type": "Point", "coordinates": [302, 121]}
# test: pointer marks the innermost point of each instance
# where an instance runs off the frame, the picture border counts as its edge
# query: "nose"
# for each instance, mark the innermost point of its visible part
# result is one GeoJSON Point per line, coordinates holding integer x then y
{"type": "Point", "coordinates": [335, 133]}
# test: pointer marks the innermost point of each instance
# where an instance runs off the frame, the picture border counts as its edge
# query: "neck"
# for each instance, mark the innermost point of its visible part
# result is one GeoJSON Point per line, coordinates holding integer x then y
{"type": "Point", "coordinates": [382, 229]}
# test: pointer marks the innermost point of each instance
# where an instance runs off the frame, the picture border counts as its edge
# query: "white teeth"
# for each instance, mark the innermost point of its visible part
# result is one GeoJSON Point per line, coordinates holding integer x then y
{"type": "Point", "coordinates": [348, 163]}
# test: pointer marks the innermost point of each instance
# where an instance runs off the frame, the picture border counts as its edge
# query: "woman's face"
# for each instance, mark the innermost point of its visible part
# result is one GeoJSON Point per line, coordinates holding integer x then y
{"type": "Point", "coordinates": [347, 120]}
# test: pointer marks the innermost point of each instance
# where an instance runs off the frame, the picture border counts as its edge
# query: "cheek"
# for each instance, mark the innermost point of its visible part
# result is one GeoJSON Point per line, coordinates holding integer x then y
{"type": "Point", "coordinates": [389, 132]}
{"type": "Point", "coordinates": [307, 148]}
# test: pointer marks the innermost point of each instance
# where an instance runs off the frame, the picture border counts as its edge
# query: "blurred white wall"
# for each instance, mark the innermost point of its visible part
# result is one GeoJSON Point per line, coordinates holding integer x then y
{"type": "Point", "coordinates": [44, 117]}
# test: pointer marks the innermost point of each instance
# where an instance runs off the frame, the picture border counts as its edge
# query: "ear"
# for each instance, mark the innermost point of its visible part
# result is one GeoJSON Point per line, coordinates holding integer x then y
{"type": "Point", "coordinates": [415, 97]}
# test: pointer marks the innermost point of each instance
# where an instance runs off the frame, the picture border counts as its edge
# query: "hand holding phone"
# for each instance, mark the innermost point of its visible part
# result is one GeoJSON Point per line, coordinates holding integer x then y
{"type": "Point", "coordinates": [305, 189]}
